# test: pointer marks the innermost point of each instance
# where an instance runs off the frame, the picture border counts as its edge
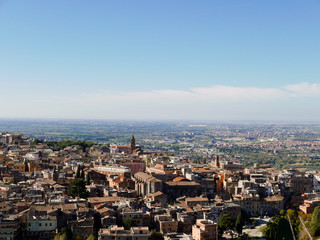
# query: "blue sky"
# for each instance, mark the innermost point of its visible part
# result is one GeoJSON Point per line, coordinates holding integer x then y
{"type": "Point", "coordinates": [148, 59]}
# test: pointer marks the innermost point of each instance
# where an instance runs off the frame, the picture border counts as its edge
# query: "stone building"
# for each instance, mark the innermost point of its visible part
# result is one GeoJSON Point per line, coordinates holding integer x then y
{"type": "Point", "coordinates": [166, 224]}
{"type": "Point", "coordinates": [204, 230]}
{"type": "Point", "coordinates": [147, 184]}
{"type": "Point", "coordinates": [180, 189]}
{"type": "Point", "coordinates": [256, 206]}
{"type": "Point", "coordinates": [132, 148]}
{"type": "Point", "coordinates": [119, 233]}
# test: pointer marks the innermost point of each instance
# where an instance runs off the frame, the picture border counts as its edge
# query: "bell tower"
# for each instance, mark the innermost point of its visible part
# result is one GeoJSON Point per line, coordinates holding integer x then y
{"type": "Point", "coordinates": [216, 161]}
{"type": "Point", "coordinates": [132, 144]}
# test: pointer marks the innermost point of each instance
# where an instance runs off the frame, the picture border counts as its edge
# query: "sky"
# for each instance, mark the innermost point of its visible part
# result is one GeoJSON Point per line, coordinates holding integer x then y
{"type": "Point", "coordinates": [160, 60]}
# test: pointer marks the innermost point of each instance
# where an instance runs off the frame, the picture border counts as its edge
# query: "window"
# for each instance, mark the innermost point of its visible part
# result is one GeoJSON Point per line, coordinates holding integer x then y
{"type": "Point", "coordinates": [39, 224]}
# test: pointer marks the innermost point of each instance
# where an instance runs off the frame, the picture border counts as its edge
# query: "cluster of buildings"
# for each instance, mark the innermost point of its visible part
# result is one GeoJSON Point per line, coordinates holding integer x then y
{"type": "Point", "coordinates": [131, 195]}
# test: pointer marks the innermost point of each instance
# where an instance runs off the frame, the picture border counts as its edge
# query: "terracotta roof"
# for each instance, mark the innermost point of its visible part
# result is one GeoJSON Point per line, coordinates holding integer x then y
{"type": "Point", "coordinates": [97, 200]}
{"type": "Point", "coordinates": [178, 179]}
{"type": "Point", "coordinates": [157, 194]}
{"type": "Point", "coordinates": [146, 177]}
{"type": "Point", "coordinates": [184, 206]}
{"type": "Point", "coordinates": [203, 170]}
{"type": "Point", "coordinates": [274, 198]}
{"type": "Point", "coordinates": [183, 183]}
{"type": "Point", "coordinates": [118, 180]}
{"type": "Point", "coordinates": [197, 199]}
{"type": "Point", "coordinates": [21, 204]}
{"type": "Point", "coordinates": [197, 208]}
{"type": "Point", "coordinates": [50, 181]}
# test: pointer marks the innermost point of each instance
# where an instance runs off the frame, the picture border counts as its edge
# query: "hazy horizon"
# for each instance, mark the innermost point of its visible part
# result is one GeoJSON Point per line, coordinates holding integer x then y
{"type": "Point", "coordinates": [184, 121]}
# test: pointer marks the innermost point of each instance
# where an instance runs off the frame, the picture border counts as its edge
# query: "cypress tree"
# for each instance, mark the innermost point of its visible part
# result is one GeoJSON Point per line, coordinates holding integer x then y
{"type": "Point", "coordinates": [78, 172]}
{"type": "Point", "coordinates": [88, 179]}
{"type": "Point", "coordinates": [82, 174]}
{"type": "Point", "coordinates": [239, 223]}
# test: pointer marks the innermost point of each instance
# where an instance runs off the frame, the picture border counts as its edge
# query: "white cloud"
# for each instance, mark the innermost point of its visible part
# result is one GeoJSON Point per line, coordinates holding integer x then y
{"type": "Point", "coordinates": [216, 93]}
{"type": "Point", "coordinates": [304, 89]}
{"type": "Point", "coordinates": [297, 101]}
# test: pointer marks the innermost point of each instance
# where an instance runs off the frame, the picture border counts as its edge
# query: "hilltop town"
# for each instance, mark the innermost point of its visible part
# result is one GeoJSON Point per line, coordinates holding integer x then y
{"type": "Point", "coordinates": [83, 190]}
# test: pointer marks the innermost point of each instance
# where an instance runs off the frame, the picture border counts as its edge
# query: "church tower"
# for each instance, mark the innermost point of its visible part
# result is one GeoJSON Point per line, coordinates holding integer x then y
{"type": "Point", "coordinates": [132, 144]}
{"type": "Point", "coordinates": [216, 161]}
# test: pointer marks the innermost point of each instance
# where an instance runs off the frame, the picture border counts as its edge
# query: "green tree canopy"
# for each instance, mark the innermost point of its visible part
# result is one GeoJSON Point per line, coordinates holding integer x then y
{"type": "Point", "coordinates": [225, 223]}
{"type": "Point", "coordinates": [316, 216]}
{"type": "Point", "coordinates": [82, 174]}
{"type": "Point", "coordinates": [156, 235]}
{"type": "Point", "coordinates": [63, 144]}
{"type": "Point", "coordinates": [295, 221]}
{"type": "Point", "coordinates": [278, 229]}
{"type": "Point", "coordinates": [64, 234]}
{"type": "Point", "coordinates": [241, 221]}
{"type": "Point", "coordinates": [91, 237]}
{"type": "Point", "coordinates": [78, 174]}
{"type": "Point", "coordinates": [88, 179]}
{"type": "Point", "coordinates": [77, 237]}
{"type": "Point", "coordinates": [127, 223]}
{"type": "Point", "coordinates": [60, 236]}
{"type": "Point", "coordinates": [315, 222]}
{"type": "Point", "coordinates": [77, 188]}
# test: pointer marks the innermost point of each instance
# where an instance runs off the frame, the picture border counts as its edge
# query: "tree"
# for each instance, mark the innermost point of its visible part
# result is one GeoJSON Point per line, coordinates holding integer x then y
{"type": "Point", "coordinates": [295, 221]}
{"type": "Point", "coordinates": [32, 146]}
{"type": "Point", "coordinates": [77, 188]}
{"type": "Point", "coordinates": [60, 236]}
{"type": "Point", "coordinates": [63, 144]}
{"type": "Point", "coordinates": [78, 172]}
{"type": "Point", "coordinates": [245, 215]}
{"type": "Point", "coordinates": [82, 174]}
{"type": "Point", "coordinates": [241, 221]}
{"type": "Point", "coordinates": [36, 141]}
{"type": "Point", "coordinates": [127, 223]}
{"type": "Point", "coordinates": [88, 179]}
{"type": "Point", "coordinates": [64, 234]}
{"type": "Point", "coordinates": [225, 223]}
{"type": "Point", "coordinates": [316, 216]}
{"type": "Point", "coordinates": [77, 237]}
{"type": "Point", "coordinates": [314, 230]}
{"type": "Point", "coordinates": [315, 222]}
{"type": "Point", "coordinates": [278, 229]}
{"type": "Point", "coordinates": [91, 237]}
{"type": "Point", "coordinates": [156, 235]}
